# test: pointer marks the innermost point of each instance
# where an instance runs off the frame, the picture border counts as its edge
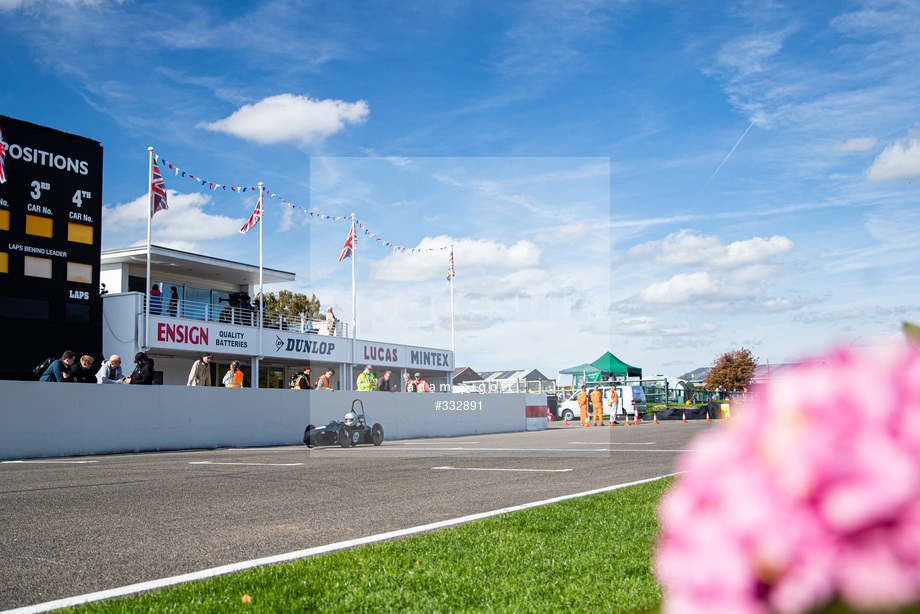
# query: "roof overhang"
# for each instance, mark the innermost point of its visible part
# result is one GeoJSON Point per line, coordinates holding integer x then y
{"type": "Point", "coordinates": [166, 260]}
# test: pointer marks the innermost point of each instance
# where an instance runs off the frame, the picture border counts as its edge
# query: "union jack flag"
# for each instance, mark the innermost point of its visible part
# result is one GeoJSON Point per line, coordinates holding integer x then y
{"type": "Point", "coordinates": [2, 159]}
{"type": "Point", "coordinates": [450, 267]}
{"type": "Point", "coordinates": [157, 191]}
{"type": "Point", "coordinates": [254, 218]}
{"type": "Point", "coordinates": [348, 249]}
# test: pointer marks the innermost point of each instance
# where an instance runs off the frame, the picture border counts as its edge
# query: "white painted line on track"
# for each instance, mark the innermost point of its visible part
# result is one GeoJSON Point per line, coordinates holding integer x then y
{"type": "Point", "coordinates": [131, 589]}
{"type": "Point", "coordinates": [613, 443]}
{"type": "Point", "coordinates": [247, 464]}
{"type": "Point", "coordinates": [50, 462]}
{"type": "Point", "coordinates": [432, 443]}
{"type": "Point", "coordinates": [497, 469]}
{"type": "Point", "coordinates": [327, 449]}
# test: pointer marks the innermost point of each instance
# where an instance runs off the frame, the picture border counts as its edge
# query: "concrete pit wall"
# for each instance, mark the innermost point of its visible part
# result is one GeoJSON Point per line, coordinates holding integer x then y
{"type": "Point", "coordinates": [39, 419]}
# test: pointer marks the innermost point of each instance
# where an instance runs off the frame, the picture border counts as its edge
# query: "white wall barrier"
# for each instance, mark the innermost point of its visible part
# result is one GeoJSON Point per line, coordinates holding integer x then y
{"type": "Point", "coordinates": [39, 419]}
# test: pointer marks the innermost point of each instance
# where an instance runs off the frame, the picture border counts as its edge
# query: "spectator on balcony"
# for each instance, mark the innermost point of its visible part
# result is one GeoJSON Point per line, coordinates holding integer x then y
{"type": "Point", "coordinates": [110, 372]}
{"type": "Point", "coordinates": [247, 311]}
{"type": "Point", "coordinates": [173, 308]}
{"type": "Point", "coordinates": [82, 372]}
{"type": "Point", "coordinates": [156, 300]}
{"type": "Point", "coordinates": [406, 378]}
{"type": "Point", "coordinates": [325, 382]}
{"type": "Point", "coordinates": [330, 322]}
{"type": "Point", "coordinates": [234, 377]}
{"type": "Point", "coordinates": [59, 370]}
{"type": "Point", "coordinates": [143, 372]}
{"type": "Point", "coordinates": [384, 384]}
{"type": "Point", "coordinates": [226, 315]}
{"type": "Point", "coordinates": [200, 375]}
{"type": "Point", "coordinates": [367, 381]}
{"type": "Point", "coordinates": [301, 381]}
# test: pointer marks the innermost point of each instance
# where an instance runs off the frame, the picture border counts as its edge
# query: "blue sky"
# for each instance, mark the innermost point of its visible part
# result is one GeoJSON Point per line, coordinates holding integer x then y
{"type": "Point", "coordinates": [667, 180]}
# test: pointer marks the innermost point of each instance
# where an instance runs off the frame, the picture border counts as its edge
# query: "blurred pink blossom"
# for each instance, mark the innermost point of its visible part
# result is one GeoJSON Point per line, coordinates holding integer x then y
{"type": "Point", "coordinates": [811, 494]}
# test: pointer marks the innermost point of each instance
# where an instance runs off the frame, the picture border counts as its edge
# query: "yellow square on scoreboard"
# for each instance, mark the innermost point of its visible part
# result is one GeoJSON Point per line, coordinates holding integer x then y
{"type": "Point", "coordinates": [4, 262]}
{"type": "Point", "coordinates": [4, 219]}
{"type": "Point", "coordinates": [39, 226]}
{"type": "Point", "coordinates": [79, 233]}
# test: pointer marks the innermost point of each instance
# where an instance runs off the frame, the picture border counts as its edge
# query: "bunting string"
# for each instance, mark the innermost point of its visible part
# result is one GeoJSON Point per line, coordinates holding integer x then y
{"type": "Point", "coordinates": [211, 185]}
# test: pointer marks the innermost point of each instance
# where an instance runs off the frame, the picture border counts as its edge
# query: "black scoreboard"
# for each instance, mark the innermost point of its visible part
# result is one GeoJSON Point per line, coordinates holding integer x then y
{"type": "Point", "coordinates": [50, 245]}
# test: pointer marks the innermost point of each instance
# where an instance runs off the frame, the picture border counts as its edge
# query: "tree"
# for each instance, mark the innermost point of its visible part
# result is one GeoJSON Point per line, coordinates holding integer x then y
{"type": "Point", "coordinates": [731, 371]}
{"type": "Point", "coordinates": [292, 304]}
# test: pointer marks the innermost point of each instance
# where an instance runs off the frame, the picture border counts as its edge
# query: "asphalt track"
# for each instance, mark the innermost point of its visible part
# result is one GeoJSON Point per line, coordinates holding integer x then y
{"type": "Point", "coordinates": [74, 526]}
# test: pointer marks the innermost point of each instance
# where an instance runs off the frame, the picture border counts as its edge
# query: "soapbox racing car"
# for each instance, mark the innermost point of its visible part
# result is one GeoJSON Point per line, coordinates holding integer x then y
{"type": "Point", "coordinates": [350, 432]}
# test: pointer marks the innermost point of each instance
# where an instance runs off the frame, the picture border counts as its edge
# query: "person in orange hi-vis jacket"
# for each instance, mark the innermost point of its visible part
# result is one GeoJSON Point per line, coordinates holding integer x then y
{"type": "Point", "coordinates": [596, 402]}
{"type": "Point", "coordinates": [583, 405]}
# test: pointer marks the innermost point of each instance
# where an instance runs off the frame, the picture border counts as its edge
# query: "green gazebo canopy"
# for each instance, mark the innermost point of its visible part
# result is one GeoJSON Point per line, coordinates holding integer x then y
{"type": "Point", "coordinates": [608, 363]}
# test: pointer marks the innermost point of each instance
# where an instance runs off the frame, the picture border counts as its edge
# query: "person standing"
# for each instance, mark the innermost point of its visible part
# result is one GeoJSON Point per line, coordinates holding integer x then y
{"type": "Point", "coordinates": [384, 384]}
{"type": "Point", "coordinates": [583, 405]}
{"type": "Point", "coordinates": [82, 372]}
{"type": "Point", "coordinates": [110, 372]}
{"type": "Point", "coordinates": [156, 300]}
{"type": "Point", "coordinates": [200, 375]}
{"type": "Point", "coordinates": [597, 404]}
{"type": "Point", "coordinates": [367, 381]}
{"type": "Point", "coordinates": [301, 381]}
{"type": "Point", "coordinates": [406, 382]}
{"type": "Point", "coordinates": [330, 322]}
{"type": "Point", "coordinates": [614, 402]}
{"type": "Point", "coordinates": [325, 381]}
{"type": "Point", "coordinates": [59, 370]}
{"type": "Point", "coordinates": [173, 308]}
{"type": "Point", "coordinates": [143, 371]}
{"type": "Point", "coordinates": [234, 377]}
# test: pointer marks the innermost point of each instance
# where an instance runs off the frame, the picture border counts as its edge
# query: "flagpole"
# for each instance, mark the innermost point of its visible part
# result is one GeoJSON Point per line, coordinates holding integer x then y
{"type": "Point", "coordinates": [255, 376]}
{"type": "Point", "coordinates": [354, 304]}
{"type": "Point", "coordinates": [149, 220]}
{"type": "Point", "coordinates": [452, 305]}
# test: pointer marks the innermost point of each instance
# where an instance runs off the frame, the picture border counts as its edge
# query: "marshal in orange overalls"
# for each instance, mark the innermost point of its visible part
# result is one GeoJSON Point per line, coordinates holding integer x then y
{"type": "Point", "coordinates": [583, 406]}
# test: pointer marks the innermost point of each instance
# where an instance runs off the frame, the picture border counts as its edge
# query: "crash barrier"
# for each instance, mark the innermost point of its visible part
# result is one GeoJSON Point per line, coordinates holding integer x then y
{"type": "Point", "coordinates": [536, 410]}
{"type": "Point", "coordinates": [43, 420]}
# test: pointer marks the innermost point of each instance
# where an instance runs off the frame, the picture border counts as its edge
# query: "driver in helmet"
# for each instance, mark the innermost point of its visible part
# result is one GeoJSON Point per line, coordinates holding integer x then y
{"type": "Point", "coordinates": [351, 418]}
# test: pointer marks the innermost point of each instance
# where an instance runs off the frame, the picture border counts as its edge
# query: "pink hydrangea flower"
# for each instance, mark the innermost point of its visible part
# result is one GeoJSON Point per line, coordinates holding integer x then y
{"type": "Point", "coordinates": [811, 494]}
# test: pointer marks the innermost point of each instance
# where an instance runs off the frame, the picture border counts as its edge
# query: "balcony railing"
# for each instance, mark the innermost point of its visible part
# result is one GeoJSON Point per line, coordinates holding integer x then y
{"type": "Point", "coordinates": [227, 314]}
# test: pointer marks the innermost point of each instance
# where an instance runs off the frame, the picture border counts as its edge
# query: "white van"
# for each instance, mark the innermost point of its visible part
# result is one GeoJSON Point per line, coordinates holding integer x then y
{"type": "Point", "coordinates": [630, 399]}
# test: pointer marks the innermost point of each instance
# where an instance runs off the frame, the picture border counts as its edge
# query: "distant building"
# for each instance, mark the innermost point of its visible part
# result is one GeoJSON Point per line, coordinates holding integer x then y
{"type": "Point", "coordinates": [465, 374]}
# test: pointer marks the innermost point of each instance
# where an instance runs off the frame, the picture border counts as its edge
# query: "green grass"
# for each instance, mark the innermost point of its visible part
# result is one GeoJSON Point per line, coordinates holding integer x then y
{"type": "Point", "coordinates": [591, 554]}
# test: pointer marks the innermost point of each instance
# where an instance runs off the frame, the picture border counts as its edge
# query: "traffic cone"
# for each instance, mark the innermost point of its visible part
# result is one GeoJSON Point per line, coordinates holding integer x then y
{"type": "Point", "coordinates": [707, 416]}
{"type": "Point", "coordinates": [655, 421]}
{"type": "Point", "coordinates": [565, 422]}
{"type": "Point", "coordinates": [684, 417]}
{"type": "Point", "coordinates": [627, 419]}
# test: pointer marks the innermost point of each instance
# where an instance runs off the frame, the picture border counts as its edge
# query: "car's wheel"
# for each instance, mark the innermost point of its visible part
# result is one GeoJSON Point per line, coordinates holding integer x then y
{"type": "Point", "coordinates": [306, 436]}
{"type": "Point", "coordinates": [344, 436]}
{"type": "Point", "coordinates": [567, 415]}
{"type": "Point", "coordinates": [376, 434]}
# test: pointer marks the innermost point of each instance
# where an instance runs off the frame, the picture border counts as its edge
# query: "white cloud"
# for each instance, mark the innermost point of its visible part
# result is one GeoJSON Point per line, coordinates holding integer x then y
{"type": "Point", "coordinates": [900, 160]}
{"type": "Point", "coordinates": [183, 226]}
{"type": "Point", "coordinates": [290, 118]}
{"type": "Point", "coordinates": [567, 233]}
{"type": "Point", "coordinates": [859, 144]}
{"type": "Point", "coordinates": [470, 255]}
{"type": "Point", "coordinates": [683, 288]}
{"type": "Point", "coordinates": [644, 326]}
{"type": "Point", "coordinates": [690, 248]}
